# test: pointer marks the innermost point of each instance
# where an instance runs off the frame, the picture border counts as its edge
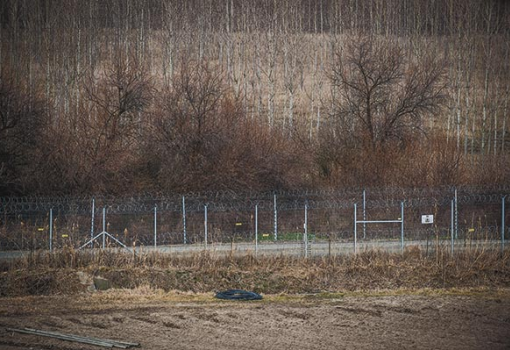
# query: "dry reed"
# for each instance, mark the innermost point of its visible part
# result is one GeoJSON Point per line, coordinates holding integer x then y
{"type": "Point", "coordinates": [43, 273]}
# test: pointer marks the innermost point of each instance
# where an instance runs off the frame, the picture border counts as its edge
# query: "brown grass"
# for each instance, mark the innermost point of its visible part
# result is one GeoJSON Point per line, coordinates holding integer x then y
{"type": "Point", "coordinates": [46, 274]}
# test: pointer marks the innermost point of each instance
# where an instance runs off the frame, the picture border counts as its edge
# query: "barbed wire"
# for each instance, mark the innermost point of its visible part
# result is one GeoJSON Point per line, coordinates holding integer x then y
{"type": "Point", "coordinates": [141, 203]}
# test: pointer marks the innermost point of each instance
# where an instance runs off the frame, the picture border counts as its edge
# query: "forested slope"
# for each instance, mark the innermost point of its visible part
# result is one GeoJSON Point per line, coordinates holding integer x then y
{"type": "Point", "coordinates": [122, 96]}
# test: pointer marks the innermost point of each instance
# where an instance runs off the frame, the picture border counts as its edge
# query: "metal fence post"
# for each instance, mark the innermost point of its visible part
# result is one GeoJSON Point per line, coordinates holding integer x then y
{"type": "Point", "coordinates": [184, 218]}
{"type": "Point", "coordinates": [92, 223]}
{"type": "Point", "coordinates": [503, 224]}
{"type": "Point", "coordinates": [402, 226]}
{"type": "Point", "coordinates": [305, 236]}
{"type": "Point", "coordinates": [51, 230]}
{"type": "Point", "coordinates": [155, 227]}
{"type": "Point", "coordinates": [452, 222]}
{"type": "Point", "coordinates": [355, 228]}
{"type": "Point", "coordinates": [256, 229]}
{"type": "Point", "coordinates": [205, 225]}
{"type": "Point", "coordinates": [275, 218]}
{"type": "Point", "coordinates": [456, 216]}
{"type": "Point", "coordinates": [104, 226]}
{"type": "Point", "coordinates": [364, 214]}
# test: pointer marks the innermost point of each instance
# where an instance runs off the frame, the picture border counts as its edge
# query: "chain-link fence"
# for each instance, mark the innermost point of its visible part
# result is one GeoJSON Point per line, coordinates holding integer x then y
{"type": "Point", "coordinates": [299, 223]}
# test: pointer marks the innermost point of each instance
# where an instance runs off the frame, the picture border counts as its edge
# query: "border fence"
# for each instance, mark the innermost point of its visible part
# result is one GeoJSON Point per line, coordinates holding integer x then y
{"type": "Point", "coordinates": [303, 223]}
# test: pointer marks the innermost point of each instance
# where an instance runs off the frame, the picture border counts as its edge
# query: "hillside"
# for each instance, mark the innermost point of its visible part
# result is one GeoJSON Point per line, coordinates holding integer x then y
{"type": "Point", "coordinates": [124, 96]}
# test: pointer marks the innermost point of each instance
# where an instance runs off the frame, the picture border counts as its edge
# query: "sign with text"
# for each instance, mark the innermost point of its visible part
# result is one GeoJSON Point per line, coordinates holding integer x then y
{"type": "Point", "coordinates": [427, 219]}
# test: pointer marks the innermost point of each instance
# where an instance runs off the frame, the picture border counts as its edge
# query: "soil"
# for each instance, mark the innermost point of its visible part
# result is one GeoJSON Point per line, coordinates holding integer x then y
{"type": "Point", "coordinates": [168, 321]}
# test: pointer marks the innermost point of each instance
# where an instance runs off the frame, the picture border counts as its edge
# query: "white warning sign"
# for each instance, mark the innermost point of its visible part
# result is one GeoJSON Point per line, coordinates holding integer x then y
{"type": "Point", "coordinates": [427, 219]}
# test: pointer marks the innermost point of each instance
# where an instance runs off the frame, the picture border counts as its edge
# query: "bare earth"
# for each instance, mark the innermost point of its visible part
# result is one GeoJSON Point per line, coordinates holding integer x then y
{"type": "Point", "coordinates": [171, 321]}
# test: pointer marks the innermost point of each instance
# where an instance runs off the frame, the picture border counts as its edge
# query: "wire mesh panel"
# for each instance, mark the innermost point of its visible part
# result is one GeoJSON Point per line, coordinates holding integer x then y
{"type": "Point", "coordinates": [227, 226]}
{"type": "Point", "coordinates": [131, 229]}
{"type": "Point", "coordinates": [265, 223]}
{"type": "Point", "coordinates": [25, 231]}
{"type": "Point", "coordinates": [69, 228]}
{"type": "Point", "coordinates": [170, 227]}
{"type": "Point", "coordinates": [303, 223]}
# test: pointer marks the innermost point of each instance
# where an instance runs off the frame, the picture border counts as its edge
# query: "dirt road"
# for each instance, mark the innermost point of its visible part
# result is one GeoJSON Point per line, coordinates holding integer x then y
{"type": "Point", "coordinates": [165, 321]}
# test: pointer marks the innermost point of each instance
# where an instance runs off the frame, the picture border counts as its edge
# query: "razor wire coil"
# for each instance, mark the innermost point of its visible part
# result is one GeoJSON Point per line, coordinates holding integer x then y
{"type": "Point", "coordinates": [246, 201]}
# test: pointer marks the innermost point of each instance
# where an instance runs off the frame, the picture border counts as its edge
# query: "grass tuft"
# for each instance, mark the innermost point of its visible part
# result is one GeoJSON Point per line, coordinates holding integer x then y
{"type": "Point", "coordinates": [319, 277]}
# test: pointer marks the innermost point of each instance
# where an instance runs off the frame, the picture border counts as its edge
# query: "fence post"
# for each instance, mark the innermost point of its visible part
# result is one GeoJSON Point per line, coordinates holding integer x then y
{"type": "Point", "coordinates": [104, 226]}
{"type": "Point", "coordinates": [503, 225]}
{"type": "Point", "coordinates": [456, 216]}
{"type": "Point", "coordinates": [305, 236]}
{"type": "Point", "coordinates": [51, 229]}
{"type": "Point", "coordinates": [155, 227]}
{"type": "Point", "coordinates": [355, 228]}
{"type": "Point", "coordinates": [184, 218]}
{"type": "Point", "coordinates": [452, 210]}
{"type": "Point", "coordinates": [275, 218]}
{"type": "Point", "coordinates": [402, 226]}
{"type": "Point", "coordinates": [92, 223]}
{"type": "Point", "coordinates": [205, 225]}
{"type": "Point", "coordinates": [364, 214]}
{"type": "Point", "coordinates": [256, 229]}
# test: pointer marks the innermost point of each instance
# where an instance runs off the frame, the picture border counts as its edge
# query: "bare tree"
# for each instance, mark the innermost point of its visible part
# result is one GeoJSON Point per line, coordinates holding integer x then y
{"type": "Point", "coordinates": [106, 139]}
{"type": "Point", "coordinates": [188, 125]}
{"type": "Point", "coordinates": [203, 140]}
{"type": "Point", "coordinates": [22, 119]}
{"type": "Point", "coordinates": [383, 95]}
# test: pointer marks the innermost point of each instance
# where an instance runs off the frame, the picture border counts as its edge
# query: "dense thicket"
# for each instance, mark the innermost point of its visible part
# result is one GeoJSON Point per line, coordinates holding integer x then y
{"type": "Point", "coordinates": [117, 96]}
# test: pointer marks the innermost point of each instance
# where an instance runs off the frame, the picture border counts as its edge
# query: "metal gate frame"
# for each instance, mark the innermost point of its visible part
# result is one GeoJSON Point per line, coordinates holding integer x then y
{"type": "Point", "coordinates": [400, 221]}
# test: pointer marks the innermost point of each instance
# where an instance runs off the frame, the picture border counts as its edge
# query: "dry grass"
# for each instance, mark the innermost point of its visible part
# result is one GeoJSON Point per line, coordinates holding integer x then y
{"type": "Point", "coordinates": [45, 274]}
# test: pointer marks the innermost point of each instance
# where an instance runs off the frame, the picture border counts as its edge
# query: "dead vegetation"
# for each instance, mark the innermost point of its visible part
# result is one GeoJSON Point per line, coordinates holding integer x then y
{"type": "Point", "coordinates": [171, 96]}
{"type": "Point", "coordinates": [57, 273]}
